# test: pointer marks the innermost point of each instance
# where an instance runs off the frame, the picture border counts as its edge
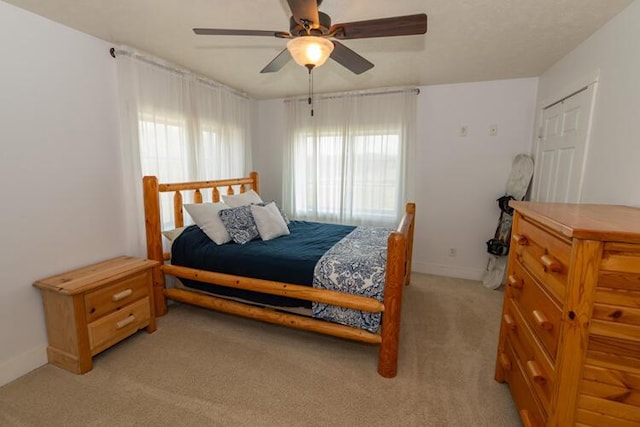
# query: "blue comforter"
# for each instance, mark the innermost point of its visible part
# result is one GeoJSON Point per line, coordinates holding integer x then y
{"type": "Point", "coordinates": [289, 259]}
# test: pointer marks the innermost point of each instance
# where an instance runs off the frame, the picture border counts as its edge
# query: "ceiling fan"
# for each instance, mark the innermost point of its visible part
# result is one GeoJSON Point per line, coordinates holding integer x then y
{"type": "Point", "coordinates": [310, 32]}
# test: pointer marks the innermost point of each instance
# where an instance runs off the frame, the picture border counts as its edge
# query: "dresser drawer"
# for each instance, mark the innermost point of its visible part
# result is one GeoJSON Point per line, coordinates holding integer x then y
{"type": "Point", "coordinates": [535, 364]}
{"type": "Point", "coordinates": [110, 298]}
{"type": "Point", "coordinates": [537, 307]}
{"type": "Point", "coordinates": [528, 406]}
{"type": "Point", "coordinates": [112, 328]}
{"type": "Point", "coordinates": [544, 255]}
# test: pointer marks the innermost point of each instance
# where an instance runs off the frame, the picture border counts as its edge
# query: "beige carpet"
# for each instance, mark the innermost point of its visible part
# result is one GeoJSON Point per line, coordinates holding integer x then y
{"type": "Point", "coordinates": [202, 368]}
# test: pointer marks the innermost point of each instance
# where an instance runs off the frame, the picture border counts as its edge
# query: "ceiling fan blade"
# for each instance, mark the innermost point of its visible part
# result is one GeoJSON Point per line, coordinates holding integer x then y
{"type": "Point", "coordinates": [384, 27]}
{"type": "Point", "coordinates": [305, 10]}
{"type": "Point", "coordinates": [349, 59]}
{"type": "Point", "coordinates": [278, 62]}
{"type": "Point", "coordinates": [226, 32]}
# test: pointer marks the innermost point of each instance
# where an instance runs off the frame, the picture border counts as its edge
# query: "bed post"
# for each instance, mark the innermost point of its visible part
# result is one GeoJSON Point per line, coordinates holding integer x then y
{"type": "Point", "coordinates": [394, 283]}
{"type": "Point", "coordinates": [410, 210]}
{"type": "Point", "coordinates": [154, 240]}
{"type": "Point", "coordinates": [255, 185]}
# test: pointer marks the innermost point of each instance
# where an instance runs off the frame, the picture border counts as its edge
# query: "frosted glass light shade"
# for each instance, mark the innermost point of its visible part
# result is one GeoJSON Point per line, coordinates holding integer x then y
{"type": "Point", "coordinates": [310, 50]}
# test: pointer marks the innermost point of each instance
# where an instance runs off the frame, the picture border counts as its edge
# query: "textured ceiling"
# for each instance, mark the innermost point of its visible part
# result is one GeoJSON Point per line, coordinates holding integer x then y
{"type": "Point", "coordinates": [467, 40]}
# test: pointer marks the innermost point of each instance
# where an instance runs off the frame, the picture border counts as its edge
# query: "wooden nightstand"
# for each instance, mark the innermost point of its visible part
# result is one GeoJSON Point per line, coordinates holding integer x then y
{"type": "Point", "coordinates": [90, 309]}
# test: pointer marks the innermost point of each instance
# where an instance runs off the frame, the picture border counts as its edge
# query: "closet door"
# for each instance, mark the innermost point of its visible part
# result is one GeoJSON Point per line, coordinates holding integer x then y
{"type": "Point", "coordinates": [562, 147]}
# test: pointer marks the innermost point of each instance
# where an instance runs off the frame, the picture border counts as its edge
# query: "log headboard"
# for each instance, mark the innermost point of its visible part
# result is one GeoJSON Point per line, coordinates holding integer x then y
{"type": "Point", "coordinates": [153, 221]}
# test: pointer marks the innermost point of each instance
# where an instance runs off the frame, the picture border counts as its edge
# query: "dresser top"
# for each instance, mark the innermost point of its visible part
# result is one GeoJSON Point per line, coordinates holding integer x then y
{"type": "Point", "coordinates": [85, 278]}
{"type": "Point", "coordinates": [586, 221]}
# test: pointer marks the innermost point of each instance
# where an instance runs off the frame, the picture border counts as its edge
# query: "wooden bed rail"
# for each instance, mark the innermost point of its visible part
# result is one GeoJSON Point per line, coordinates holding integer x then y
{"type": "Point", "coordinates": [307, 293]}
{"type": "Point", "coordinates": [273, 316]}
{"type": "Point", "coordinates": [252, 181]}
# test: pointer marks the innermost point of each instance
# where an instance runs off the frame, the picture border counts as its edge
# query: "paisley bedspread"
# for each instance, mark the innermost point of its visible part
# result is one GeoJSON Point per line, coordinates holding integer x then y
{"type": "Point", "coordinates": [355, 265]}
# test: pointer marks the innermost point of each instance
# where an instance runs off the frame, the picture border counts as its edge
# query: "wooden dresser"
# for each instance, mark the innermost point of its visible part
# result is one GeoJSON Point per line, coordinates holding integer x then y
{"type": "Point", "coordinates": [569, 344]}
{"type": "Point", "coordinates": [90, 309]}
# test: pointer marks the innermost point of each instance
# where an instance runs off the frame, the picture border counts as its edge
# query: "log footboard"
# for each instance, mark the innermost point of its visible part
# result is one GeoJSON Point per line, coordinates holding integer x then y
{"type": "Point", "coordinates": [398, 269]}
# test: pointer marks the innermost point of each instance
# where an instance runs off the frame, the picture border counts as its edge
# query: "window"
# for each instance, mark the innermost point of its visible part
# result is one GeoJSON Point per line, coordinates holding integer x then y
{"type": "Point", "coordinates": [360, 173]}
{"type": "Point", "coordinates": [220, 157]}
{"type": "Point", "coordinates": [168, 152]}
{"type": "Point", "coordinates": [179, 127]}
{"type": "Point", "coordinates": [164, 149]}
{"type": "Point", "coordinates": [351, 162]}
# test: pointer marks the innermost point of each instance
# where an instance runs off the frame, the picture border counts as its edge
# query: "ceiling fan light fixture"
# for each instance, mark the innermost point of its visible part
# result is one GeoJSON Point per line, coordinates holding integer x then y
{"type": "Point", "coordinates": [310, 50]}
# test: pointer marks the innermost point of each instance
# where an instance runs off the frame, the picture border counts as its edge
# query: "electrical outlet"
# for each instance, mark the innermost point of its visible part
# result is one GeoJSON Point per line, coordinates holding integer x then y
{"type": "Point", "coordinates": [493, 130]}
{"type": "Point", "coordinates": [463, 131]}
{"type": "Point", "coordinates": [452, 252]}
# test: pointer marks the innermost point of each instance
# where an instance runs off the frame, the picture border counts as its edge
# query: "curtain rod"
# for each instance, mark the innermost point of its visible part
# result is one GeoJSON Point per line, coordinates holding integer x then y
{"type": "Point", "coordinates": [167, 66]}
{"type": "Point", "coordinates": [345, 94]}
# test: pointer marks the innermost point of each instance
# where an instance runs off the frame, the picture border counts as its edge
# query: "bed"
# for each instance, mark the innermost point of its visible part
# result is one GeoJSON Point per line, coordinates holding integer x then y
{"type": "Point", "coordinates": [396, 273]}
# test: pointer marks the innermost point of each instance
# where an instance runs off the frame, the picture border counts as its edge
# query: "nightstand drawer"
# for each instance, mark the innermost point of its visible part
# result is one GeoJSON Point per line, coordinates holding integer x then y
{"type": "Point", "coordinates": [112, 328]}
{"type": "Point", "coordinates": [538, 308]}
{"type": "Point", "coordinates": [125, 291]}
{"type": "Point", "coordinates": [546, 256]}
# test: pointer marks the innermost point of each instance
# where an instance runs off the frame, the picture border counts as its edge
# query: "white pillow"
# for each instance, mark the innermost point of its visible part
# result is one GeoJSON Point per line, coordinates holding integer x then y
{"type": "Point", "coordinates": [242, 199]}
{"type": "Point", "coordinates": [172, 235]}
{"type": "Point", "coordinates": [206, 216]}
{"type": "Point", "coordinates": [269, 221]}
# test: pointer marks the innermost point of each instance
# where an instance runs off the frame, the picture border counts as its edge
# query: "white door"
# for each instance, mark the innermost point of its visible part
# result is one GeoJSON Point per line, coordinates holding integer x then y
{"type": "Point", "coordinates": [561, 149]}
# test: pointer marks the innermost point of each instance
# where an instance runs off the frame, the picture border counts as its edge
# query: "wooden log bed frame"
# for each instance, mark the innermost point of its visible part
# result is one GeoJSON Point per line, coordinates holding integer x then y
{"type": "Point", "coordinates": [399, 251]}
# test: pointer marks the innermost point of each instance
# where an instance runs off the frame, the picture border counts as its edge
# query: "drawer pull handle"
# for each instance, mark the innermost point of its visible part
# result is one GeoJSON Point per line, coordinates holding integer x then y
{"type": "Point", "coordinates": [508, 320]}
{"type": "Point", "coordinates": [514, 282]}
{"type": "Point", "coordinates": [121, 295]}
{"type": "Point", "coordinates": [505, 362]}
{"type": "Point", "coordinates": [520, 240]}
{"type": "Point", "coordinates": [535, 372]}
{"type": "Point", "coordinates": [125, 322]}
{"type": "Point", "coordinates": [551, 264]}
{"type": "Point", "coordinates": [526, 418]}
{"type": "Point", "coordinates": [542, 320]}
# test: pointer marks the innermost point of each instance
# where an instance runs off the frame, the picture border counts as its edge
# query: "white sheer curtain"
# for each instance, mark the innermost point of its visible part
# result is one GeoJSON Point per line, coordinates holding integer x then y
{"type": "Point", "coordinates": [351, 162]}
{"type": "Point", "coordinates": [177, 126]}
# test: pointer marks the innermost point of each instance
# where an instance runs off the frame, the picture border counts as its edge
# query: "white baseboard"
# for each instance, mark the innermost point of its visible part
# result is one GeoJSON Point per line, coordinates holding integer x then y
{"type": "Point", "coordinates": [22, 364]}
{"type": "Point", "coordinates": [458, 272]}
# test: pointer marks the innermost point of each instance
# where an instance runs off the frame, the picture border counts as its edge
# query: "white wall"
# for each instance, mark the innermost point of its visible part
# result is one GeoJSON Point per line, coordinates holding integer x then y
{"type": "Point", "coordinates": [459, 178]}
{"type": "Point", "coordinates": [612, 173]}
{"type": "Point", "coordinates": [268, 143]}
{"type": "Point", "coordinates": [60, 167]}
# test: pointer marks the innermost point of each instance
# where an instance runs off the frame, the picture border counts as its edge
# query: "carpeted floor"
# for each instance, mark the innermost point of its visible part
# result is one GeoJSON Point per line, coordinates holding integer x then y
{"type": "Point", "coordinates": [202, 368]}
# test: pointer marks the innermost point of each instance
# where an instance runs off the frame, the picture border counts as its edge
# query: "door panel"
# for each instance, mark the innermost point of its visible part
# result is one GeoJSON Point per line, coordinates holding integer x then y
{"type": "Point", "coordinates": [565, 170]}
{"type": "Point", "coordinates": [561, 149]}
{"type": "Point", "coordinates": [546, 179]}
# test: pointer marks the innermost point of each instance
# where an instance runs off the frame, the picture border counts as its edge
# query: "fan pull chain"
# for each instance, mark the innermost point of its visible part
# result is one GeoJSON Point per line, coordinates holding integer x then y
{"type": "Point", "coordinates": [310, 98]}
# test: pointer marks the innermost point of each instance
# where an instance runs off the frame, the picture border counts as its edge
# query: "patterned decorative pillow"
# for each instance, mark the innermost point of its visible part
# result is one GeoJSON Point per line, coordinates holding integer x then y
{"type": "Point", "coordinates": [240, 224]}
